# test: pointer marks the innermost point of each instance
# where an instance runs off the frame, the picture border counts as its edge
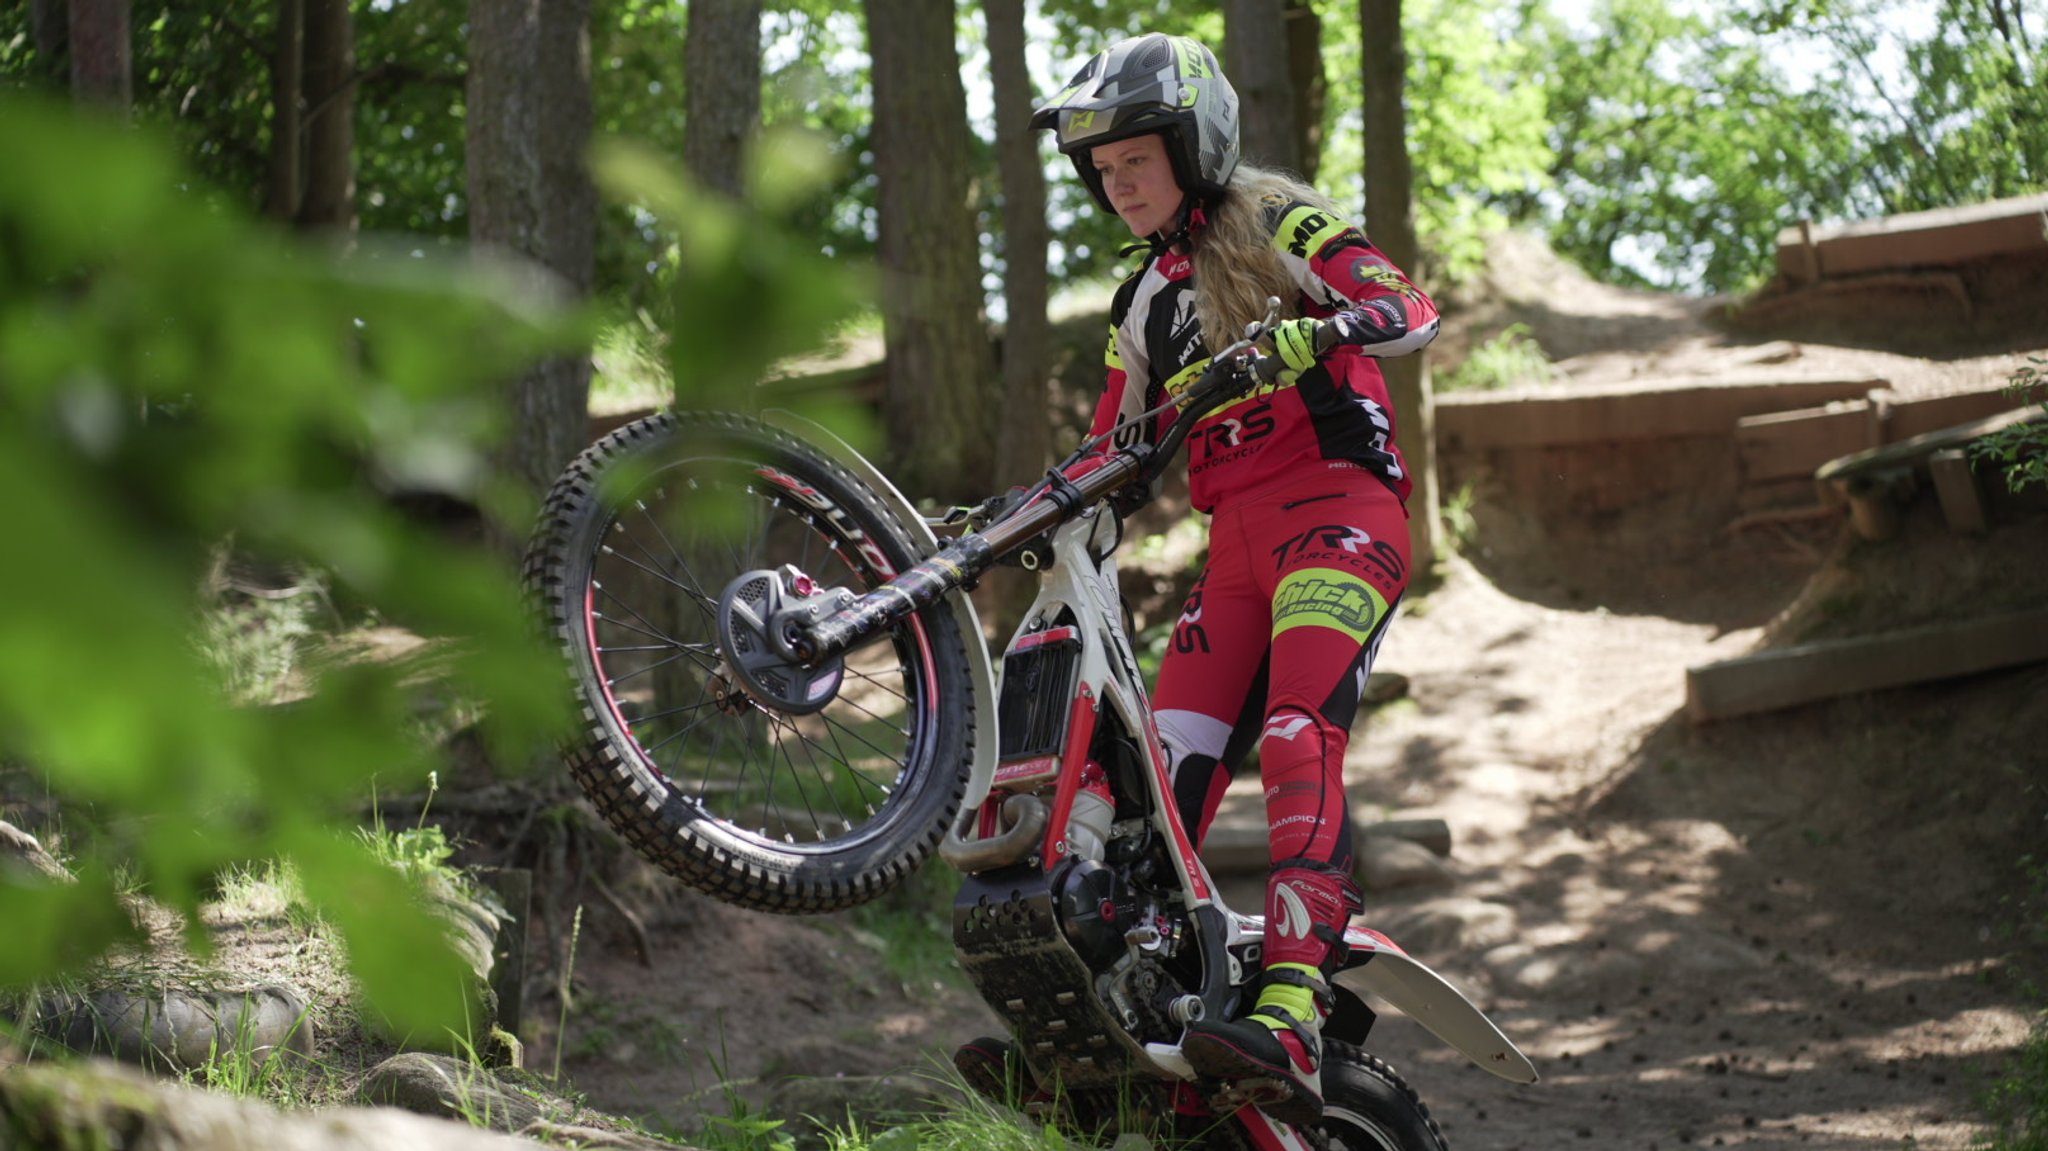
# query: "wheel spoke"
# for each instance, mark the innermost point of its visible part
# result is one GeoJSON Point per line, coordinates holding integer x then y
{"type": "Point", "coordinates": [804, 779]}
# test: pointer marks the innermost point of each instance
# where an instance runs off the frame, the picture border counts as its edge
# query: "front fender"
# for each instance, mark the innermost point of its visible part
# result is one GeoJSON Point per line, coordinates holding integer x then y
{"type": "Point", "coordinates": [981, 671]}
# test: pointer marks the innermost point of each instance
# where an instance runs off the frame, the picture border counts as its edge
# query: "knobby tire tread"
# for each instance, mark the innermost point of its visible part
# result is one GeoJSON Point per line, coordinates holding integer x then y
{"type": "Point", "coordinates": [1392, 1092]}
{"type": "Point", "coordinates": [620, 793]}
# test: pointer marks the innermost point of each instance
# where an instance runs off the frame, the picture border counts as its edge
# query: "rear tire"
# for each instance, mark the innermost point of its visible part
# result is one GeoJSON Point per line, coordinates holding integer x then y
{"type": "Point", "coordinates": [760, 809]}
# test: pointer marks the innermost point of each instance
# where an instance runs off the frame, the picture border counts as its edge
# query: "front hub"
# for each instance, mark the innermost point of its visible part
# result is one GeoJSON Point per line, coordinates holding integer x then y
{"type": "Point", "coordinates": [757, 615]}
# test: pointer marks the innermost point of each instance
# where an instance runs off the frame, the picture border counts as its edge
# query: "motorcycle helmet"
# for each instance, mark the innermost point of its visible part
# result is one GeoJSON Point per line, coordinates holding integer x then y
{"type": "Point", "coordinates": [1171, 85]}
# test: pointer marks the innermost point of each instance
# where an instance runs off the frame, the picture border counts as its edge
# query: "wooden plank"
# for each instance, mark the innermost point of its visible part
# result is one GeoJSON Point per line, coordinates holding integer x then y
{"type": "Point", "coordinates": [1614, 413]}
{"type": "Point", "coordinates": [1784, 445]}
{"type": "Point", "coordinates": [1913, 449]}
{"type": "Point", "coordinates": [1962, 503]}
{"type": "Point", "coordinates": [1945, 237]}
{"type": "Point", "coordinates": [1911, 418]}
{"type": "Point", "coordinates": [1816, 671]}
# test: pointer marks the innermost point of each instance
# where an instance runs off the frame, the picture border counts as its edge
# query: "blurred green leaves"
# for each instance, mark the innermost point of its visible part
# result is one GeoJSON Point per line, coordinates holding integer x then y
{"type": "Point", "coordinates": [172, 377]}
{"type": "Point", "coordinates": [743, 287]}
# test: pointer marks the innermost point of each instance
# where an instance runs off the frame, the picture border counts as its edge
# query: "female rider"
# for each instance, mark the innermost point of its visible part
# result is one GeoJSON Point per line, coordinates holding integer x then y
{"type": "Point", "coordinates": [1308, 544]}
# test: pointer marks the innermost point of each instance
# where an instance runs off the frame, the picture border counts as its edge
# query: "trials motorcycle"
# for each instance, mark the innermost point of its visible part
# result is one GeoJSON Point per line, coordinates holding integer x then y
{"type": "Point", "coordinates": [787, 704]}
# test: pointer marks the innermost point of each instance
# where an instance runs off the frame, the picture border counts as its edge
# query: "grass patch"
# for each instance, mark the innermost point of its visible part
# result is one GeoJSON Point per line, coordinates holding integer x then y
{"type": "Point", "coordinates": [1509, 359]}
{"type": "Point", "coordinates": [2016, 1104]}
{"type": "Point", "coordinates": [912, 926]}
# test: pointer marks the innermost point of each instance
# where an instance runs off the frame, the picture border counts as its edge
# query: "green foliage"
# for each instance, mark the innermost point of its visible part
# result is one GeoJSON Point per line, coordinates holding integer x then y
{"type": "Point", "coordinates": [1476, 126]}
{"type": "Point", "coordinates": [1687, 136]}
{"type": "Point", "coordinates": [913, 922]}
{"type": "Point", "coordinates": [178, 377]}
{"type": "Point", "coordinates": [1510, 358]}
{"type": "Point", "coordinates": [2020, 452]}
{"type": "Point", "coordinates": [255, 642]}
{"type": "Point", "coordinates": [1461, 530]}
{"type": "Point", "coordinates": [1682, 146]}
{"type": "Point", "coordinates": [741, 290]}
{"type": "Point", "coordinates": [2018, 1103]}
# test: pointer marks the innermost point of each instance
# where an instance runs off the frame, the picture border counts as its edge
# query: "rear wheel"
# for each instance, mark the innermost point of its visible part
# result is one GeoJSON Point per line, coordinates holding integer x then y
{"type": "Point", "coordinates": [754, 806]}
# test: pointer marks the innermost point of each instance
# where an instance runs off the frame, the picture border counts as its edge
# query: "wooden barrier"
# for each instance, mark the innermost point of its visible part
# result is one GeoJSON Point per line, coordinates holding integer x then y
{"type": "Point", "coordinates": [1809, 672]}
{"type": "Point", "coordinates": [1625, 412]}
{"type": "Point", "coordinates": [1946, 237]}
{"type": "Point", "coordinates": [1794, 444]}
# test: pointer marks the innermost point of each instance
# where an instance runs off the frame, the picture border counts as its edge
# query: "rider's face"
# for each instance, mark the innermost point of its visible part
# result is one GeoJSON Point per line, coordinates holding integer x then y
{"type": "Point", "coordinates": [1138, 179]}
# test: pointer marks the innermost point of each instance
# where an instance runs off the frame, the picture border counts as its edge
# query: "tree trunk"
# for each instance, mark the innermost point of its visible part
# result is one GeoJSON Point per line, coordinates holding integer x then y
{"type": "Point", "coordinates": [1024, 445]}
{"type": "Point", "coordinates": [1389, 220]}
{"type": "Point", "coordinates": [1311, 86]}
{"type": "Point", "coordinates": [287, 66]}
{"type": "Point", "coordinates": [101, 73]}
{"type": "Point", "coordinates": [721, 90]}
{"type": "Point", "coordinates": [939, 395]}
{"type": "Point", "coordinates": [50, 27]}
{"type": "Point", "coordinates": [530, 195]}
{"type": "Point", "coordinates": [328, 199]}
{"type": "Point", "coordinates": [1256, 59]}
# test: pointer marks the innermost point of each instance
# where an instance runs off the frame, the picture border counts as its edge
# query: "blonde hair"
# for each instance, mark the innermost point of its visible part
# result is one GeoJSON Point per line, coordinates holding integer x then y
{"type": "Point", "coordinates": [1236, 266]}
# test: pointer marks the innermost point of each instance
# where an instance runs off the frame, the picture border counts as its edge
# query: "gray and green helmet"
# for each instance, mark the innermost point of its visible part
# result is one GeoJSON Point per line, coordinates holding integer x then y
{"type": "Point", "coordinates": [1152, 83]}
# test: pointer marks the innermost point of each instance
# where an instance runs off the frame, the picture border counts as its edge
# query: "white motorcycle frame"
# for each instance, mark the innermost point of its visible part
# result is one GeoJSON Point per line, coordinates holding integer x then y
{"type": "Point", "coordinates": [1109, 676]}
{"type": "Point", "coordinates": [1089, 587]}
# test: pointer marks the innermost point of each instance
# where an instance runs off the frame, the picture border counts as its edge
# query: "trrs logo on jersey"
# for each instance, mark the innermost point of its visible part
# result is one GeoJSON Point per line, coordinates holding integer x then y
{"type": "Point", "coordinates": [1253, 424]}
{"type": "Point", "coordinates": [1329, 539]}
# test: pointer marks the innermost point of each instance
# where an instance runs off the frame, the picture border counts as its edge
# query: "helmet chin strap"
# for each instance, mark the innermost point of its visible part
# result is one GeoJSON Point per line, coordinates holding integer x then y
{"type": "Point", "coordinates": [1186, 220]}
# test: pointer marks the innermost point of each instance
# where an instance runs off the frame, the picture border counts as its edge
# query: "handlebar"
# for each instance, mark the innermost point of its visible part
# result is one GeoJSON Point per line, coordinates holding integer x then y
{"type": "Point", "coordinates": [1232, 372]}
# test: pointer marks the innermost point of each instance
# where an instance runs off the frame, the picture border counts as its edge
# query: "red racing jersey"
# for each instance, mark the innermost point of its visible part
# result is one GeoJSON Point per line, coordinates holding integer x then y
{"type": "Point", "coordinates": [1336, 414]}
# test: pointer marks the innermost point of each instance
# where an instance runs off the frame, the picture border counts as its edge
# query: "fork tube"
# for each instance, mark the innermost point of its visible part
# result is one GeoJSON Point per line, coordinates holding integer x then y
{"type": "Point", "coordinates": [957, 565]}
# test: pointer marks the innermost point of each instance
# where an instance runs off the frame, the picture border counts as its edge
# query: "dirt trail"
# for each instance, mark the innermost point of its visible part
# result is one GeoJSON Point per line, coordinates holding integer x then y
{"type": "Point", "coordinates": [1789, 931]}
{"type": "Point", "coordinates": [1700, 937]}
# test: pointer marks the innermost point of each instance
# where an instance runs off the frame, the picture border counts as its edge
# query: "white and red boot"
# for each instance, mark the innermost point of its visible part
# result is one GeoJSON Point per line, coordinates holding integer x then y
{"type": "Point", "coordinates": [1274, 1052]}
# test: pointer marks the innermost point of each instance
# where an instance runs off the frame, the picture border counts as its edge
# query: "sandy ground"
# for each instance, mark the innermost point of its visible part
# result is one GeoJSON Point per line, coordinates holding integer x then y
{"type": "Point", "coordinates": [1794, 930]}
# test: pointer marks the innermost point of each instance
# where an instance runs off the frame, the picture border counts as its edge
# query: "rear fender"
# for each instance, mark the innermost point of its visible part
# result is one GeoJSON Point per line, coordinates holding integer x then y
{"type": "Point", "coordinates": [1378, 967]}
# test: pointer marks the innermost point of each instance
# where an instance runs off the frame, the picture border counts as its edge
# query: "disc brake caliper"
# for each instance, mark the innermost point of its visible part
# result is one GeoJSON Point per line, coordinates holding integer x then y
{"type": "Point", "coordinates": [757, 617]}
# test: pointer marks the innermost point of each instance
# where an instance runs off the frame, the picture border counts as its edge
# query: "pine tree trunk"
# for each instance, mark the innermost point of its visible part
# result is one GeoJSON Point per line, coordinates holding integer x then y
{"type": "Point", "coordinates": [1311, 86]}
{"type": "Point", "coordinates": [1389, 220]}
{"type": "Point", "coordinates": [50, 28]}
{"type": "Point", "coordinates": [287, 67]}
{"type": "Point", "coordinates": [101, 72]}
{"type": "Point", "coordinates": [328, 196]}
{"type": "Point", "coordinates": [1025, 447]}
{"type": "Point", "coordinates": [1256, 60]}
{"type": "Point", "coordinates": [939, 396]}
{"type": "Point", "coordinates": [722, 90]}
{"type": "Point", "coordinates": [531, 196]}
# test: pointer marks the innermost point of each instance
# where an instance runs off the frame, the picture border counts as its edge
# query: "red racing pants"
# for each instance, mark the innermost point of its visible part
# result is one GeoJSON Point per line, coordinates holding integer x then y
{"type": "Point", "coordinates": [1274, 644]}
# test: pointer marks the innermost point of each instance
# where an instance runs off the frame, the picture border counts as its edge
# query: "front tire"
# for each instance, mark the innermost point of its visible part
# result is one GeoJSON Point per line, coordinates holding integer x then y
{"type": "Point", "coordinates": [756, 807]}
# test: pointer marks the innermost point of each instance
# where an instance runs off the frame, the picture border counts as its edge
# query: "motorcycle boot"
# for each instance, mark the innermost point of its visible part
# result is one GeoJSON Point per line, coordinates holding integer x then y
{"type": "Point", "coordinates": [1274, 1053]}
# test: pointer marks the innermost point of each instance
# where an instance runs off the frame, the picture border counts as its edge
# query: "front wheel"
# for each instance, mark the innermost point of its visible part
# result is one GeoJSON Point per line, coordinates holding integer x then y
{"type": "Point", "coordinates": [759, 807]}
{"type": "Point", "coordinates": [1366, 1106]}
